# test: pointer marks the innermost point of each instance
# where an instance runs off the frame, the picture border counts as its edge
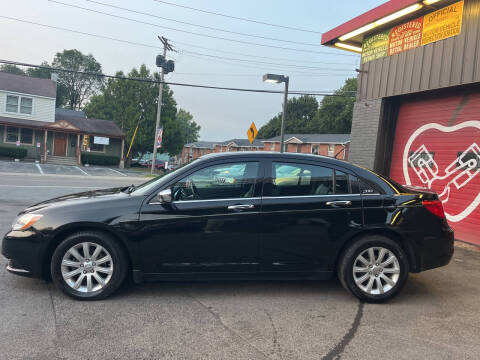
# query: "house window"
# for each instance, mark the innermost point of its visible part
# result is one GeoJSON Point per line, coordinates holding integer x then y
{"type": "Point", "coordinates": [272, 146]}
{"type": "Point", "coordinates": [26, 105]}
{"type": "Point", "coordinates": [14, 134]}
{"type": "Point", "coordinates": [331, 149]}
{"type": "Point", "coordinates": [299, 148]}
{"type": "Point", "coordinates": [19, 104]}
{"type": "Point", "coordinates": [315, 149]}
{"type": "Point", "coordinates": [97, 147]}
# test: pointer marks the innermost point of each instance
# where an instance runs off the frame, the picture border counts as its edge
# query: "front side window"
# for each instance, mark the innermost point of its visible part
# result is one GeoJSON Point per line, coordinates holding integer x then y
{"type": "Point", "coordinates": [12, 104]}
{"type": "Point", "coordinates": [222, 181]}
{"type": "Point", "coordinates": [291, 179]}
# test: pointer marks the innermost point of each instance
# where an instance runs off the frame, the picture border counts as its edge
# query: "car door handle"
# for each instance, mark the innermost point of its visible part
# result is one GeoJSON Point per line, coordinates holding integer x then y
{"type": "Point", "coordinates": [241, 207]}
{"type": "Point", "coordinates": [339, 203]}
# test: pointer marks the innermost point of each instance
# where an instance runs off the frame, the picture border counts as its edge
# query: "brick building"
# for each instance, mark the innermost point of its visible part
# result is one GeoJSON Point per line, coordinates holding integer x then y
{"type": "Point", "coordinates": [317, 144]}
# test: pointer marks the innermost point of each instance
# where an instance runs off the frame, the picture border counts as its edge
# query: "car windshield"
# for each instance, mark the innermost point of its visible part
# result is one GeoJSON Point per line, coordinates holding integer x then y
{"type": "Point", "coordinates": [148, 186]}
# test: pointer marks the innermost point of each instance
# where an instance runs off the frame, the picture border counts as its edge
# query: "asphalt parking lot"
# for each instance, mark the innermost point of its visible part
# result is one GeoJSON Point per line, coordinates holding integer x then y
{"type": "Point", "coordinates": [21, 167]}
{"type": "Point", "coordinates": [437, 316]}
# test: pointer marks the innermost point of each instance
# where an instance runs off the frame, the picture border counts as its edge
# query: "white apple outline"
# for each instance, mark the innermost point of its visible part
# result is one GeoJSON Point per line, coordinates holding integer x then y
{"type": "Point", "coordinates": [445, 129]}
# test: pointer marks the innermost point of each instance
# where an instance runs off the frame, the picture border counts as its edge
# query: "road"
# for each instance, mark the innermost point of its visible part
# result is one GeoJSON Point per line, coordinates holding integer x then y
{"type": "Point", "coordinates": [437, 316]}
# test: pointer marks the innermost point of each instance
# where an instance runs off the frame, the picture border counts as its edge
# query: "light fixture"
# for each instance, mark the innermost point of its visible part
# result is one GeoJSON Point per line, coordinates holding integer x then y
{"type": "Point", "coordinates": [430, 2]}
{"type": "Point", "coordinates": [357, 49]}
{"type": "Point", "coordinates": [357, 32]}
{"type": "Point", "coordinates": [399, 14]}
{"type": "Point", "coordinates": [274, 78]}
{"type": "Point", "coordinates": [384, 20]}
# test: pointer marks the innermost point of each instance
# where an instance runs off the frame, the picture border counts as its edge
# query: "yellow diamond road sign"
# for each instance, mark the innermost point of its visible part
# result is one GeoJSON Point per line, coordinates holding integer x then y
{"type": "Point", "coordinates": [252, 132]}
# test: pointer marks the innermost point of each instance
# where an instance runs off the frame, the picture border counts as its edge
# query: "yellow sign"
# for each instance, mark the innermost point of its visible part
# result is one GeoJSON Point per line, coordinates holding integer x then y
{"type": "Point", "coordinates": [252, 132]}
{"type": "Point", "coordinates": [86, 142]}
{"type": "Point", "coordinates": [443, 23]}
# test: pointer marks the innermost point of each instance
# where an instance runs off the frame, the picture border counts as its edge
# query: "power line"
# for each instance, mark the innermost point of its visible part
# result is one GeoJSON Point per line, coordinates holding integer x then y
{"type": "Point", "coordinates": [125, 41]}
{"type": "Point", "coordinates": [264, 62]}
{"type": "Point", "coordinates": [265, 67]}
{"type": "Point", "coordinates": [192, 24]}
{"type": "Point", "coordinates": [272, 58]}
{"type": "Point", "coordinates": [257, 75]}
{"type": "Point", "coordinates": [239, 18]}
{"type": "Point", "coordinates": [188, 32]}
{"type": "Point", "coordinates": [294, 92]}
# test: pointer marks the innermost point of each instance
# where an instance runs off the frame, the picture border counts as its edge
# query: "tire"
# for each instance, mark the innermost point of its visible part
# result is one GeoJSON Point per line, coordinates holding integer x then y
{"type": "Point", "coordinates": [352, 269]}
{"type": "Point", "coordinates": [69, 264]}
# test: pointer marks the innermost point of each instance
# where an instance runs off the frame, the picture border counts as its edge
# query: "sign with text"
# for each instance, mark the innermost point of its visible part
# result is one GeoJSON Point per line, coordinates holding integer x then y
{"type": "Point", "coordinates": [405, 37]}
{"type": "Point", "coordinates": [375, 47]}
{"type": "Point", "coordinates": [443, 23]}
{"type": "Point", "coordinates": [101, 140]}
{"type": "Point", "coordinates": [438, 25]}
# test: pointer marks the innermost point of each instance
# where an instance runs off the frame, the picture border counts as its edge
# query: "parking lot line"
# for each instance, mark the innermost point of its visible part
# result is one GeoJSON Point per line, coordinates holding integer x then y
{"type": "Point", "coordinates": [39, 169]}
{"type": "Point", "coordinates": [118, 172]}
{"type": "Point", "coordinates": [76, 167]}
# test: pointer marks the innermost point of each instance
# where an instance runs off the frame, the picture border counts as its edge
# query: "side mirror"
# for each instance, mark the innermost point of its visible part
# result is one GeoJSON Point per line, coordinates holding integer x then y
{"type": "Point", "coordinates": [165, 196]}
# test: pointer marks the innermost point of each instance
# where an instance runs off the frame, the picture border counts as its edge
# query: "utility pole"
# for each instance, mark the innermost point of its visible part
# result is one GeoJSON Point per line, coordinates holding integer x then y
{"type": "Point", "coordinates": [284, 115]}
{"type": "Point", "coordinates": [166, 46]}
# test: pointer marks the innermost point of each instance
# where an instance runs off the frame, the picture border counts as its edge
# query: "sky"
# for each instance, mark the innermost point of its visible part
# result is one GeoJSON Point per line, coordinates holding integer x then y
{"type": "Point", "coordinates": [222, 115]}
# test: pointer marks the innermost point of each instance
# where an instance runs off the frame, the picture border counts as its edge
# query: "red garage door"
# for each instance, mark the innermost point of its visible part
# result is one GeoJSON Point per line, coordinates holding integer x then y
{"type": "Point", "coordinates": [437, 146]}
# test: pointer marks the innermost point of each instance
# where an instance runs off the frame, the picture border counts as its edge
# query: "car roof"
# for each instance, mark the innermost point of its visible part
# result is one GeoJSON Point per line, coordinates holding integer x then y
{"type": "Point", "coordinates": [272, 154]}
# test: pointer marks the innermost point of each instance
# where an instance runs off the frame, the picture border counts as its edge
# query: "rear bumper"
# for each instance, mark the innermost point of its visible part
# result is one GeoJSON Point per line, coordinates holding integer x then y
{"type": "Point", "coordinates": [435, 251]}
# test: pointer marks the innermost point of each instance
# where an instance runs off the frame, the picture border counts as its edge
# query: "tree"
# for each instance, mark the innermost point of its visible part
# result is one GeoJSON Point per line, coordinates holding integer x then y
{"type": "Point", "coordinates": [45, 73]}
{"type": "Point", "coordinates": [335, 113]}
{"type": "Point", "coordinates": [130, 102]}
{"type": "Point", "coordinates": [304, 116]}
{"type": "Point", "coordinates": [300, 114]}
{"type": "Point", "coordinates": [78, 88]}
{"type": "Point", "coordinates": [12, 69]}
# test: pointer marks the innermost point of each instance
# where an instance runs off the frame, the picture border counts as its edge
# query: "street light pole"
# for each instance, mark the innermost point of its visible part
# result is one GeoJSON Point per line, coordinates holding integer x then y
{"type": "Point", "coordinates": [277, 79]}
{"type": "Point", "coordinates": [282, 131]}
{"type": "Point", "coordinates": [159, 112]}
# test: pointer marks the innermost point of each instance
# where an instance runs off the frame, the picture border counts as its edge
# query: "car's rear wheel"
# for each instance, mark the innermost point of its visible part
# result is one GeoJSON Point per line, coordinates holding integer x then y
{"type": "Point", "coordinates": [88, 265]}
{"type": "Point", "coordinates": [373, 268]}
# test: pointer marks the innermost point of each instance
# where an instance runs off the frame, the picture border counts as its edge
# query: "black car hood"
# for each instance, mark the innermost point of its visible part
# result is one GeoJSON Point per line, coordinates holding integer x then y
{"type": "Point", "coordinates": [93, 196]}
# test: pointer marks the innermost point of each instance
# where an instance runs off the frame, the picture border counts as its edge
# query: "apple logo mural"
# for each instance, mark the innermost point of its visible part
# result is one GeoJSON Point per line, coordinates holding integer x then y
{"type": "Point", "coordinates": [446, 176]}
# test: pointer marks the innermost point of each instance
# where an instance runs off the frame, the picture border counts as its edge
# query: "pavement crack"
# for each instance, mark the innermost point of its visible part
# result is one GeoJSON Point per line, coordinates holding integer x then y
{"type": "Point", "coordinates": [55, 340]}
{"type": "Point", "coordinates": [337, 351]}
{"type": "Point", "coordinates": [230, 330]}
{"type": "Point", "coordinates": [276, 348]}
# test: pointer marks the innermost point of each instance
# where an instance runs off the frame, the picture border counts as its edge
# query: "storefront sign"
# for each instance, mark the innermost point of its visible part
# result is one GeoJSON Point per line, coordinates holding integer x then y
{"type": "Point", "coordinates": [442, 23]}
{"type": "Point", "coordinates": [438, 25]}
{"type": "Point", "coordinates": [101, 140]}
{"type": "Point", "coordinates": [375, 47]}
{"type": "Point", "coordinates": [405, 37]}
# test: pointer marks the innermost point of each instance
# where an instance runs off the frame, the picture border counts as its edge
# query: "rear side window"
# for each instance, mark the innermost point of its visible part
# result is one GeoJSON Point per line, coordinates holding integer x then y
{"type": "Point", "coordinates": [342, 183]}
{"type": "Point", "coordinates": [292, 179]}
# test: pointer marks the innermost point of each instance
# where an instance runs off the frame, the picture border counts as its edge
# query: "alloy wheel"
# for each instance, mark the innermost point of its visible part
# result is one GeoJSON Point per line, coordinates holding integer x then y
{"type": "Point", "coordinates": [376, 270]}
{"type": "Point", "coordinates": [87, 267]}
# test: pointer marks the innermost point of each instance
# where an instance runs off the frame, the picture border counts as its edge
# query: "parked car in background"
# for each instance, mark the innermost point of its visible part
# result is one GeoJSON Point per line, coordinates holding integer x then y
{"type": "Point", "coordinates": [237, 215]}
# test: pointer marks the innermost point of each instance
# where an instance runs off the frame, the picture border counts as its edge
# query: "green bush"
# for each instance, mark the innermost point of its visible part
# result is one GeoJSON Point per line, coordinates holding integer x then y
{"type": "Point", "coordinates": [13, 152]}
{"type": "Point", "coordinates": [98, 159]}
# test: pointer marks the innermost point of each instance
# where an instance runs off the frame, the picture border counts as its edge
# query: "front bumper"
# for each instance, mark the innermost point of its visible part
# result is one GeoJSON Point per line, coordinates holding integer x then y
{"type": "Point", "coordinates": [24, 251]}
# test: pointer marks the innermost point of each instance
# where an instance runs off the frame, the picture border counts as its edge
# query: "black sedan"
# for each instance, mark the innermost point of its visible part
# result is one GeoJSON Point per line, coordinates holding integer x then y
{"type": "Point", "coordinates": [236, 216]}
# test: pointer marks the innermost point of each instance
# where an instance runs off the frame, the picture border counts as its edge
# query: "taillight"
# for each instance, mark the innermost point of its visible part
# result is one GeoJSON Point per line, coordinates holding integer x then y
{"type": "Point", "coordinates": [435, 207]}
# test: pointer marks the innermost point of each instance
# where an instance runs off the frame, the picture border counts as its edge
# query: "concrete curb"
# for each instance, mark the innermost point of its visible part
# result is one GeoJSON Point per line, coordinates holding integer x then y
{"type": "Point", "coordinates": [83, 177]}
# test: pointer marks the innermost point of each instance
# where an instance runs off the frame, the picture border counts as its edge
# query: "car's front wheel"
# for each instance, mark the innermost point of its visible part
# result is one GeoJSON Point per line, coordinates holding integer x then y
{"type": "Point", "coordinates": [373, 268]}
{"type": "Point", "coordinates": [88, 265]}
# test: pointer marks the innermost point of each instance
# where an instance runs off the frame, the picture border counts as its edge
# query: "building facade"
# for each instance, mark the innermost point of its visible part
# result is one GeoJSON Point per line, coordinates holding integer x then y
{"type": "Point", "coordinates": [318, 144]}
{"type": "Point", "coordinates": [30, 120]}
{"type": "Point", "coordinates": [417, 113]}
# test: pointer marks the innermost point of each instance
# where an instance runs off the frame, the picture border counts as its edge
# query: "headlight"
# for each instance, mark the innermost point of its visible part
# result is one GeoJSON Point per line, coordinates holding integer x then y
{"type": "Point", "coordinates": [25, 221]}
